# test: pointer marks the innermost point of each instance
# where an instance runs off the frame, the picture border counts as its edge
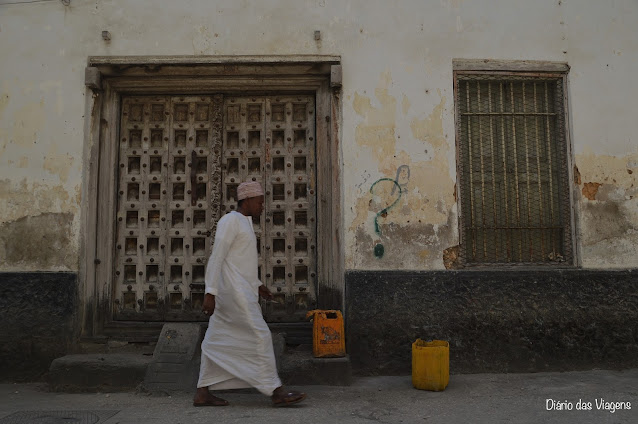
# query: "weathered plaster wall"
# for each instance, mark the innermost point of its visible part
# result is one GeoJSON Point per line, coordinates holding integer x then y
{"type": "Point", "coordinates": [608, 204]}
{"type": "Point", "coordinates": [41, 120]}
{"type": "Point", "coordinates": [398, 149]}
{"type": "Point", "coordinates": [602, 41]}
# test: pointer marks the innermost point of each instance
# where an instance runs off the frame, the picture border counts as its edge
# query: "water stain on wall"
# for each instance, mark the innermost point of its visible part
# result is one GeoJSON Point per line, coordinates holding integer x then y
{"type": "Point", "coordinates": [38, 242]}
{"type": "Point", "coordinates": [17, 198]}
{"type": "Point", "coordinates": [28, 122]}
{"type": "Point", "coordinates": [606, 169]}
{"type": "Point", "coordinates": [608, 227]}
{"type": "Point", "coordinates": [58, 164]}
{"type": "Point", "coordinates": [38, 226]}
{"type": "Point", "coordinates": [609, 220]}
{"type": "Point", "coordinates": [430, 128]}
{"type": "Point", "coordinates": [377, 131]}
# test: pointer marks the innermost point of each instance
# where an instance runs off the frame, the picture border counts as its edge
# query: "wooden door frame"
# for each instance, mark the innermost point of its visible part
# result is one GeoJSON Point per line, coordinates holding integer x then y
{"type": "Point", "coordinates": [109, 78]}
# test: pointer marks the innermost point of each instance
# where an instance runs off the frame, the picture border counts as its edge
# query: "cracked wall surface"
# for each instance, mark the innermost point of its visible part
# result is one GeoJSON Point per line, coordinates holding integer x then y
{"type": "Point", "coordinates": [398, 153]}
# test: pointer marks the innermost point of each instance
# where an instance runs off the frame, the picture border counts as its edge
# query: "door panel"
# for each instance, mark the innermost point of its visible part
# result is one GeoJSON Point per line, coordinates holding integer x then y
{"type": "Point", "coordinates": [271, 140]}
{"type": "Point", "coordinates": [181, 160]}
{"type": "Point", "coordinates": [167, 203]}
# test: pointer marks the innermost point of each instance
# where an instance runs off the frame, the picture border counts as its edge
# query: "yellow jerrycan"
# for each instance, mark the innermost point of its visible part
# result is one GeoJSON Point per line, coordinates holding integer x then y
{"type": "Point", "coordinates": [430, 365]}
{"type": "Point", "coordinates": [328, 339]}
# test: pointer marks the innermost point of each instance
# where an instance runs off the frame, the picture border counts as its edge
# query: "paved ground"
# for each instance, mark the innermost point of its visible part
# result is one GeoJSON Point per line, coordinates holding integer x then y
{"type": "Point", "coordinates": [478, 398]}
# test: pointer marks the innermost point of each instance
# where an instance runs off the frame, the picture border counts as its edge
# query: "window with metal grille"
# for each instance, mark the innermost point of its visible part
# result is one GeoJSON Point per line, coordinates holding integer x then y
{"type": "Point", "coordinates": [512, 168]}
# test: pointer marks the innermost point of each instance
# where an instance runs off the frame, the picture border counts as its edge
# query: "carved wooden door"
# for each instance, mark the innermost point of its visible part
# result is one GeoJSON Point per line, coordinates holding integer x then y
{"type": "Point", "coordinates": [271, 140]}
{"type": "Point", "coordinates": [181, 160]}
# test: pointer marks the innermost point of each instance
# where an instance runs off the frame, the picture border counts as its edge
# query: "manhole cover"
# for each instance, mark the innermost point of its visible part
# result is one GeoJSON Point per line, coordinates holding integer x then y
{"type": "Point", "coordinates": [57, 417]}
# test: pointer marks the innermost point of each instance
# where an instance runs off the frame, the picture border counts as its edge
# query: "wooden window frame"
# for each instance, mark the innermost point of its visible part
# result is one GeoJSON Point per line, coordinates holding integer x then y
{"type": "Point", "coordinates": [523, 69]}
{"type": "Point", "coordinates": [109, 78]}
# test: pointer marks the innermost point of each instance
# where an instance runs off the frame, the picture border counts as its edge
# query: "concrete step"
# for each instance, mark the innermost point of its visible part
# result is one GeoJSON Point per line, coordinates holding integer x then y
{"type": "Point", "coordinates": [174, 365]}
{"type": "Point", "coordinates": [114, 346]}
{"type": "Point", "coordinates": [299, 367]}
{"type": "Point", "coordinates": [111, 372]}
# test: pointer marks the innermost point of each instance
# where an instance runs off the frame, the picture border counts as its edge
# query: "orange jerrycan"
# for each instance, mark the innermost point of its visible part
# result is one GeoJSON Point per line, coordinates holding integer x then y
{"type": "Point", "coordinates": [328, 339]}
{"type": "Point", "coordinates": [430, 365]}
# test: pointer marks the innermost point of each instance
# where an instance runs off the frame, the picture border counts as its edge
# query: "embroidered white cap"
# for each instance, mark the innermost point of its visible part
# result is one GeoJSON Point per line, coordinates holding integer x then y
{"type": "Point", "coordinates": [249, 189]}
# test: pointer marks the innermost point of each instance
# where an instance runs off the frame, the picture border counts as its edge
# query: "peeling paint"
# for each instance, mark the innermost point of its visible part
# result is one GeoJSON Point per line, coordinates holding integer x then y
{"type": "Point", "coordinates": [430, 128]}
{"type": "Point", "coordinates": [427, 191]}
{"type": "Point", "coordinates": [377, 131]}
{"type": "Point", "coordinates": [57, 164]}
{"type": "Point", "coordinates": [590, 190]}
{"type": "Point", "coordinates": [608, 230]}
{"type": "Point", "coordinates": [451, 257]}
{"type": "Point", "coordinates": [17, 199]}
{"type": "Point", "coordinates": [401, 122]}
{"type": "Point", "coordinates": [428, 177]}
{"type": "Point", "coordinates": [607, 169]}
{"type": "Point", "coordinates": [577, 178]}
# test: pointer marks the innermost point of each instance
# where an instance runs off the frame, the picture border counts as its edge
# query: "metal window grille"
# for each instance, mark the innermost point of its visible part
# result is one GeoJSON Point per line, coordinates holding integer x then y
{"type": "Point", "coordinates": [513, 177]}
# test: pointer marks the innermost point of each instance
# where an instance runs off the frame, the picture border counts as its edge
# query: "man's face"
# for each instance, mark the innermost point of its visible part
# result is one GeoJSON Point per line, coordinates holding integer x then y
{"type": "Point", "coordinates": [255, 205]}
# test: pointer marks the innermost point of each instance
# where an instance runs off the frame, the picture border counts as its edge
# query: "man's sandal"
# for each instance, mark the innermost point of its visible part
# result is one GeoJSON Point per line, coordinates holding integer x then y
{"type": "Point", "coordinates": [212, 401]}
{"type": "Point", "coordinates": [281, 397]}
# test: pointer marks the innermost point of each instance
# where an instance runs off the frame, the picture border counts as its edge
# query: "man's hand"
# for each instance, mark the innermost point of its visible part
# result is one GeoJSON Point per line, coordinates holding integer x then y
{"type": "Point", "coordinates": [265, 293]}
{"type": "Point", "coordinates": [209, 304]}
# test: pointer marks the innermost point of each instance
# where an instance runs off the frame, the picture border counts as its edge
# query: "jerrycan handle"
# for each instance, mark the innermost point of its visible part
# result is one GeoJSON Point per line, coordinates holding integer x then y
{"type": "Point", "coordinates": [311, 314]}
{"type": "Point", "coordinates": [326, 314]}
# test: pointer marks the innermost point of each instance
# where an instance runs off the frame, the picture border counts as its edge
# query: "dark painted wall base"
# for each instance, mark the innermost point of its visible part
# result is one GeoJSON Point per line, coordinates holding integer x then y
{"type": "Point", "coordinates": [38, 325]}
{"type": "Point", "coordinates": [495, 321]}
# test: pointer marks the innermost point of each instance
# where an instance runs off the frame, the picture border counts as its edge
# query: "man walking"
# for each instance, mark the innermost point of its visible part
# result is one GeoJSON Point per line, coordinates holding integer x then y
{"type": "Point", "coordinates": [237, 350]}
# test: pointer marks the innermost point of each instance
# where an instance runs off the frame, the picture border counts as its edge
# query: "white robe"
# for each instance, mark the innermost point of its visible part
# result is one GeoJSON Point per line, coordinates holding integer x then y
{"type": "Point", "coordinates": [237, 350]}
